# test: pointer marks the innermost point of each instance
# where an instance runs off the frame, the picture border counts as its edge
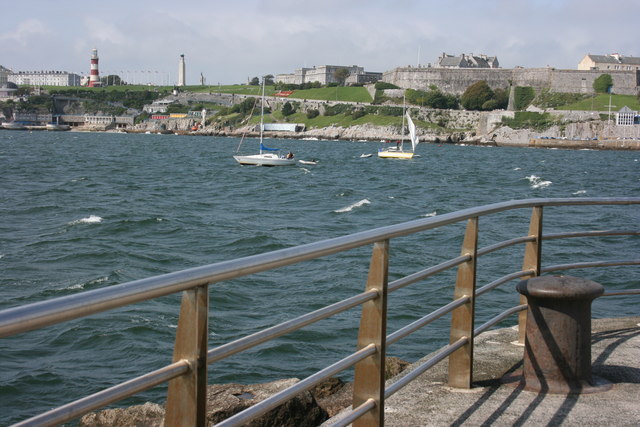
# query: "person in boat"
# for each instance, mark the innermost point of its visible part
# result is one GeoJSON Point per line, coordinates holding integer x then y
{"type": "Point", "coordinates": [398, 145]}
{"type": "Point", "coordinates": [289, 155]}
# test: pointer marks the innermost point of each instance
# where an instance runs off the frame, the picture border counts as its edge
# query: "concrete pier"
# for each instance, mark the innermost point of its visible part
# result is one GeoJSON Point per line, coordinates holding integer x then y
{"type": "Point", "coordinates": [615, 352]}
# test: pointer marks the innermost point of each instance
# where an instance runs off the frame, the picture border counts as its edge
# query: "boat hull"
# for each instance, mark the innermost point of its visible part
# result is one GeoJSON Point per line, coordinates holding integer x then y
{"type": "Point", "coordinates": [264, 160]}
{"type": "Point", "coordinates": [395, 154]}
{"type": "Point", "coordinates": [57, 127]}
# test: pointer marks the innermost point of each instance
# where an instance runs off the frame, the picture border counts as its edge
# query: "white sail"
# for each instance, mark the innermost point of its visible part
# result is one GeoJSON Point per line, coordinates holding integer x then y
{"type": "Point", "coordinates": [412, 132]}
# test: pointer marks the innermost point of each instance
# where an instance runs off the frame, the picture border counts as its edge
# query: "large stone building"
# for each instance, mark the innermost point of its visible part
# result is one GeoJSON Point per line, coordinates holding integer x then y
{"type": "Point", "coordinates": [325, 74]}
{"type": "Point", "coordinates": [612, 62]}
{"type": "Point", "coordinates": [457, 80]}
{"type": "Point", "coordinates": [44, 78]}
{"type": "Point", "coordinates": [466, 61]}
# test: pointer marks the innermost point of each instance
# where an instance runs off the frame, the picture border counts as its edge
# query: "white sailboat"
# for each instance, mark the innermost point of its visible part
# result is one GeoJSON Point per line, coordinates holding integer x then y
{"type": "Point", "coordinates": [398, 151]}
{"type": "Point", "coordinates": [267, 156]}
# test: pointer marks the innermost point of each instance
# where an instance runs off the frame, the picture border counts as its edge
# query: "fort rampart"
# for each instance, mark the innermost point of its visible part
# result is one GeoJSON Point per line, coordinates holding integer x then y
{"type": "Point", "coordinates": [457, 80]}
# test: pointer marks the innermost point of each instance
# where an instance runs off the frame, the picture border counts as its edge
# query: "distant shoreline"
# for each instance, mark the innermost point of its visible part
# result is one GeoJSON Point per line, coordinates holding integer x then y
{"type": "Point", "coordinates": [332, 135]}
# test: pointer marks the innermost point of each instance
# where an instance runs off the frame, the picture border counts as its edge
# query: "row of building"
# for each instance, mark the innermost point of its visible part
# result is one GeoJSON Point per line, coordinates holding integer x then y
{"type": "Point", "coordinates": [323, 74]}
{"type": "Point", "coordinates": [326, 74]}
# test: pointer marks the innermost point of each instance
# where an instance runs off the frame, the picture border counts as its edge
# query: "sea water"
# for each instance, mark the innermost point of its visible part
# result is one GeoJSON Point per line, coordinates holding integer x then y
{"type": "Point", "coordinates": [82, 211]}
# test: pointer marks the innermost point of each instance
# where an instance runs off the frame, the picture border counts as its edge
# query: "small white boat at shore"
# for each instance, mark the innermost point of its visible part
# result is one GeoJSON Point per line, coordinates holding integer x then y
{"type": "Point", "coordinates": [13, 126]}
{"type": "Point", "coordinates": [56, 127]}
{"type": "Point", "coordinates": [308, 162]}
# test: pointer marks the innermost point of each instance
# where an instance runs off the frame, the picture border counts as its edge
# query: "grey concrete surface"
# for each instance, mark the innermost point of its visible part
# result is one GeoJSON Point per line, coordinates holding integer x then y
{"type": "Point", "coordinates": [428, 401]}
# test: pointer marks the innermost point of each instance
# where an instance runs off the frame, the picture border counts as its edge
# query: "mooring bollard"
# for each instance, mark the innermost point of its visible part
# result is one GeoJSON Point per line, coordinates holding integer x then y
{"type": "Point", "coordinates": [557, 356]}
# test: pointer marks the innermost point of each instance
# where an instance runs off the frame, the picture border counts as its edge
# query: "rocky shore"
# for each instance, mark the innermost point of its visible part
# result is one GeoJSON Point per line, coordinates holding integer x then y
{"type": "Point", "coordinates": [308, 409]}
{"type": "Point", "coordinates": [579, 130]}
{"type": "Point", "coordinates": [583, 135]}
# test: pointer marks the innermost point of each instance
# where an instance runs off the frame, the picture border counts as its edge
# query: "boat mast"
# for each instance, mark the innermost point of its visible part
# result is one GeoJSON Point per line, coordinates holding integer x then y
{"type": "Point", "coordinates": [262, 115]}
{"type": "Point", "coordinates": [404, 105]}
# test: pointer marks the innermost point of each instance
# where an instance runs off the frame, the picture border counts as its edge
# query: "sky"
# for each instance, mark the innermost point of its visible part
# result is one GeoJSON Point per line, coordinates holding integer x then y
{"type": "Point", "coordinates": [229, 42]}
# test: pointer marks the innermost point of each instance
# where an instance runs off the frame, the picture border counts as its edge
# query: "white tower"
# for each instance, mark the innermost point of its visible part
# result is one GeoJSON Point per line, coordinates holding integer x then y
{"type": "Point", "coordinates": [181, 72]}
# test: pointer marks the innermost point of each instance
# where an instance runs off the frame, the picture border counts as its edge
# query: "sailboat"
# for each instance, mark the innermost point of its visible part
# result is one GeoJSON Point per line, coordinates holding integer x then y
{"type": "Point", "coordinates": [267, 156]}
{"type": "Point", "coordinates": [398, 151]}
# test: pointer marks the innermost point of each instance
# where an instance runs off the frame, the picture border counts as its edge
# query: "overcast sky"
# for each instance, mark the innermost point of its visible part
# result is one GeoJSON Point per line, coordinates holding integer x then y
{"type": "Point", "coordinates": [229, 41]}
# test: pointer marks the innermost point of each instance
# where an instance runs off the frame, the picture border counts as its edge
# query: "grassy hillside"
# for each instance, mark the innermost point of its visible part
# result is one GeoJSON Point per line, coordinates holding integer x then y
{"type": "Point", "coordinates": [344, 120]}
{"type": "Point", "coordinates": [600, 102]}
{"type": "Point", "coordinates": [338, 93]}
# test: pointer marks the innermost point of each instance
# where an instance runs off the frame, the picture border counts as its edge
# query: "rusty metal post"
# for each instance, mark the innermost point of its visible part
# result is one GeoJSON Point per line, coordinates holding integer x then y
{"type": "Point", "coordinates": [368, 382]}
{"type": "Point", "coordinates": [187, 394]}
{"type": "Point", "coordinates": [462, 318]}
{"type": "Point", "coordinates": [557, 356]}
{"type": "Point", "coordinates": [531, 261]}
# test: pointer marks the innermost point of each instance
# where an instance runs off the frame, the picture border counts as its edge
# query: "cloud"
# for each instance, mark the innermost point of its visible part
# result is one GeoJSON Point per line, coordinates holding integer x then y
{"type": "Point", "coordinates": [98, 30]}
{"type": "Point", "coordinates": [230, 41]}
{"type": "Point", "coordinates": [23, 32]}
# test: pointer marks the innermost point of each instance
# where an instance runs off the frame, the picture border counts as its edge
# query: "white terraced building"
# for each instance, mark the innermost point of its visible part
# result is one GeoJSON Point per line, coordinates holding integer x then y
{"type": "Point", "coordinates": [44, 78]}
{"type": "Point", "coordinates": [612, 62]}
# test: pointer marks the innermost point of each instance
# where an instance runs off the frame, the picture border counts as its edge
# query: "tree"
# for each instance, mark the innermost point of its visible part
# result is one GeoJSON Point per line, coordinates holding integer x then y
{"type": "Point", "coordinates": [603, 83]}
{"type": "Point", "coordinates": [287, 109]}
{"type": "Point", "coordinates": [476, 95]}
{"type": "Point", "coordinates": [254, 81]}
{"type": "Point", "coordinates": [268, 79]}
{"type": "Point", "coordinates": [341, 74]}
{"type": "Point", "coordinates": [111, 80]}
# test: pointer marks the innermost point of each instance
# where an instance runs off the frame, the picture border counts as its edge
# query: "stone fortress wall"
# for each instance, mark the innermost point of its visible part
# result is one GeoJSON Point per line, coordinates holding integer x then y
{"type": "Point", "coordinates": [457, 80]}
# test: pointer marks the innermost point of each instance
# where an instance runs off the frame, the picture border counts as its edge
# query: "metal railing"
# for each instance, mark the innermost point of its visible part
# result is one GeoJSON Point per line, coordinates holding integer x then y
{"type": "Point", "coordinates": [187, 375]}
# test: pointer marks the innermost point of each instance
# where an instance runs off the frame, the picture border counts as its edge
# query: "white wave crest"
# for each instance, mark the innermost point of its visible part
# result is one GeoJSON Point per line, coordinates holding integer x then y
{"type": "Point", "coordinates": [353, 206]}
{"type": "Point", "coordinates": [537, 182]}
{"type": "Point", "coordinates": [91, 219]}
{"type": "Point", "coordinates": [579, 192]}
{"type": "Point", "coordinates": [429, 215]}
{"type": "Point", "coordinates": [516, 169]}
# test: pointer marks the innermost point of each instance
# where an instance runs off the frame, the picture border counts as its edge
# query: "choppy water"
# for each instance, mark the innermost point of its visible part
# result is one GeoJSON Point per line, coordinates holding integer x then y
{"type": "Point", "coordinates": [85, 211]}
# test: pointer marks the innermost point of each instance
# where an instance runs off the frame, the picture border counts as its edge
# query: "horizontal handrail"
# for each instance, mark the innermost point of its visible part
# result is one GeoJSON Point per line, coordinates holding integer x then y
{"type": "Point", "coordinates": [437, 358]}
{"type": "Point", "coordinates": [595, 233]}
{"type": "Point", "coordinates": [497, 319]}
{"type": "Point", "coordinates": [281, 397]}
{"type": "Point", "coordinates": [501, 245]}
{"type": "Point", "coordinates": [503, 279]}
{"type": "Point", "coordinates": [37, 315]}
{"type": "Point", "coordinates": [356, 413]}
{"type": "Point", "coordinates": [421, 275]}
{"type": "Point", "coordinates": [591, 264]}
{"type": "Point", "coordinates": [412, 327]}
{"type": "Point", "coordinates": [105, 397]}
{"type": "Point", "coordinates": [625, 292]}
{"type": "Point", "coordinates": [265, 335]}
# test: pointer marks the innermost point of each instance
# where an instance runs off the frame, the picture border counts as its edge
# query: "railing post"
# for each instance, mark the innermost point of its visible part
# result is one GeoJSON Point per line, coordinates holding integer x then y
{"type": "Point", "coordinates": [187, 395]}
{"type": "Point", "coordinates": [531, 261]}
{"type": "Point", "coordinates": [462, 318]}
{"type": "Point", "coordinates": [368, 380]}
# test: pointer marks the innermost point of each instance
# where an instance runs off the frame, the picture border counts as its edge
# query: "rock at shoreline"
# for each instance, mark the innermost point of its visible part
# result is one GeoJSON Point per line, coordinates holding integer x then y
{"type": "Point", "coordinates": [223, 401]}
{"type": "Point", "coordinates": [147, 415]}
{"type": "Point", "coordinates": [308, 409]}
{"type": "Point", "coordinates": [226, 400]}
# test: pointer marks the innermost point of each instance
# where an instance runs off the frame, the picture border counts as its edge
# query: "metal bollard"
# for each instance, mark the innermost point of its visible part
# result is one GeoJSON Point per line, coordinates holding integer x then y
{"type": "Point", "coordinates": [557, 357]}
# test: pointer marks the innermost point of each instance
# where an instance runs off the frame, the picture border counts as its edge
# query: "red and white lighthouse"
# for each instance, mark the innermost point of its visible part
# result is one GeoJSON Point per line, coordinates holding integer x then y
{"type": "Point", "coordinates": [94, 75]}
